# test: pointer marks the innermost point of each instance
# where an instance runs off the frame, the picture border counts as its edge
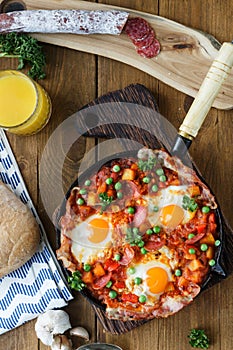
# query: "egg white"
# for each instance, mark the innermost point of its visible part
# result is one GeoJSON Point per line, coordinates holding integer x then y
{"type": "Point", "coordinates": [141, 271]}
{"type": "Point", "coordinates": [82, 247]}
{"type": "Point", "coordinates": [172, 195]}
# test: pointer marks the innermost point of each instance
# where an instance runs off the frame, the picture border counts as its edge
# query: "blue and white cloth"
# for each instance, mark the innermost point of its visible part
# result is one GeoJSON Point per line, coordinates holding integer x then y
{"type": "Point", "coordinates": [38, 285]}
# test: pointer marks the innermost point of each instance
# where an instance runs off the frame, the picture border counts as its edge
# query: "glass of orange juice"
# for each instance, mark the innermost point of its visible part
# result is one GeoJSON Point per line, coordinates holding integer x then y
{"type": "Point", "coordinates": [25, 107]}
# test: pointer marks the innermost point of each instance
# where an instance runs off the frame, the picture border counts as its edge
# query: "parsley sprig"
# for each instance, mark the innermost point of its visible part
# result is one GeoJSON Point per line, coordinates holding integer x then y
{"type": "Point", "coordinates": [105, 200]}
{"type": "Point", "coordinates": [147, 164]}
{"type": "Point", "coordinates": [198, 339]}
{"type": "Point", "coordinates": [189, 204]}
{"type": "Point", "coordinates": [75, 281]}
{"type": "Point", "coordinates": [132, 236]}
{"type": "Point", "coordinates": [27, 50]}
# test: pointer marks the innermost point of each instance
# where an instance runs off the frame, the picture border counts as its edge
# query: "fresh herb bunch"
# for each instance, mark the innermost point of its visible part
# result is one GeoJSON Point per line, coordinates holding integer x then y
{"type": "Point", "coordinates": [189, 203]}
{"type": "Point", "coordinates": [105, 200]}
{"type": "Point", "coordinates": [198, 339]}
{"type": "Point", "coordinates": [75, 281]}
{"type": "Point", "coordinates": [147, 164]}
{"type": "Point", "coordinates": [27, 50]}
{"type": "Point", "coordinates": [133, 237]}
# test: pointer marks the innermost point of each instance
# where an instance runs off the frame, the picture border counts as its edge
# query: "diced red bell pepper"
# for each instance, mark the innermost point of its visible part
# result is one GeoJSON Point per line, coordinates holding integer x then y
{"type": "Point", "coordinates": [119, 284]}
{"type": "Point", "coordinates": [111, 265]}
{"type": "Point", "coordinates": [201, 228]}
{"type": "Point", "coordinates": [132, 298]}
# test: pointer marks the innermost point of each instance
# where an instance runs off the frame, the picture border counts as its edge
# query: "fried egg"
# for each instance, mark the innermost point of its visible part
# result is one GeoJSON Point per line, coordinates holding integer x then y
{"type": "Point", "coordinates": [154, 277]}
{"type": "Point", "coordinates": [91, 237]}
{"type": "Point", "coordinates": [168, 203]}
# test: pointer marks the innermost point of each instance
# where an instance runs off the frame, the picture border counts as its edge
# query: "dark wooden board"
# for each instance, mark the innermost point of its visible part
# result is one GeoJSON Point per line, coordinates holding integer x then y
{"type": "Point", "coordinates": [139, 94]}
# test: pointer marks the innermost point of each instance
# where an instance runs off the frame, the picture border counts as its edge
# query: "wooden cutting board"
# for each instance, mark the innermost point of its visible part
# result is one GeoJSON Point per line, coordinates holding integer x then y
{"type": "Point", "coordinates": [185, 57]}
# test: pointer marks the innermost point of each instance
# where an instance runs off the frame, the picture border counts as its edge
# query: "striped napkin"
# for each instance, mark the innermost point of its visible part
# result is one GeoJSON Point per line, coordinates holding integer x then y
{"type": "Point", "coordinates": [39, 284]}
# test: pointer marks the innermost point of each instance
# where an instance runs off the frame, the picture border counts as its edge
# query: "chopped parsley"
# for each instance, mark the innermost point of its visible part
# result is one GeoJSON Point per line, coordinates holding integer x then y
{"type": "Point", "coordinates": [147, 164]}
{"type": "Point", "coordinates": [189, 204]}
{"type": "Point", "coordinates": [198, 339]}
{"type": "Point", "coordinates": [75, 281]}
{"type": "Point", "coordinates": [27, 50]}
{"type": "Point", "coordinates": [105, 200]}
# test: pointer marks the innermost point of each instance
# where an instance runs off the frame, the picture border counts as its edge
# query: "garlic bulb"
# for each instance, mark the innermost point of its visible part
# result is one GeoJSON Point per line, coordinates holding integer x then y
{"type": "Point", "coordinates": [51, 323]}
{"type": "Point", "coordinates": [61, 342]}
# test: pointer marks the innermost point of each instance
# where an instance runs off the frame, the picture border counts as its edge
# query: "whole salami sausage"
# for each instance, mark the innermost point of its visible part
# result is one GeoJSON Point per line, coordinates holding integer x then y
{"type": "Point", "coordinates": [64, 21]}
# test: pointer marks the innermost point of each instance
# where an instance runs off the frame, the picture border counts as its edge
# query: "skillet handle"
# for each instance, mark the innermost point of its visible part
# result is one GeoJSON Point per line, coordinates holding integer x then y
{"type": "Point", "coordinates": [209, 89]}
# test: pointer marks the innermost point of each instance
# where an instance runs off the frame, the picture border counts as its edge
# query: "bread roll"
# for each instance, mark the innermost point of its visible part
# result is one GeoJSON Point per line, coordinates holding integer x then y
{"type": "Point", "coordinates": [19, 232]}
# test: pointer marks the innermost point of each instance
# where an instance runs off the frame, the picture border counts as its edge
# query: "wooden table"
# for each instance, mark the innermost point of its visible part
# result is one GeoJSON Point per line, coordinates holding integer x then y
{"type": "Point", "coordinates": [74, 79]}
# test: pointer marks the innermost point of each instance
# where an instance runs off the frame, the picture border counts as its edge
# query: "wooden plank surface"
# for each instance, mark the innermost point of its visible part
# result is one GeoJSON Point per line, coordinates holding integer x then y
{"type": "Point", "coordinates": [186, 54]}
{"type": "Point", "coordinates": [73, 80]}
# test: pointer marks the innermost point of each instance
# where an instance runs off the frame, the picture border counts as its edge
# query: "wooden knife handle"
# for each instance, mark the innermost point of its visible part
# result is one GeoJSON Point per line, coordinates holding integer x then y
{"type": "Point", "coordinates": [209, 89]}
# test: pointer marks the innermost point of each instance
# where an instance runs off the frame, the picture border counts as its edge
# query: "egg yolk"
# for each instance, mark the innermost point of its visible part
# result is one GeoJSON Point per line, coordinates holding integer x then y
{"type": "Point", "coordinates": [157, 280]}
{"type": "Point", "coordinates": [98, 230]}
{"type": "Point", "coordinates": [171, 215]}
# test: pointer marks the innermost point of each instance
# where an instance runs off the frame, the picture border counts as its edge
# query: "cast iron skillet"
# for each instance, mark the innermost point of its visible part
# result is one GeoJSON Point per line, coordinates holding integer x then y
{"type": "Point", "coordinates": [216, 273]}
{"type": "Point", "coordinates": [193, 121]}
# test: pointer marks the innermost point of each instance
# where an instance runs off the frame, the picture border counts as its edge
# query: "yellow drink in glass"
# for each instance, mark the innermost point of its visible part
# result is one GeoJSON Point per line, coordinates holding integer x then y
{"type": "Point", "coordinates": [25, 107]}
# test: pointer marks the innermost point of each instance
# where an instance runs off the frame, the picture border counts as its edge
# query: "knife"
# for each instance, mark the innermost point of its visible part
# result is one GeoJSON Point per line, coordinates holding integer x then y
{"type": "Point", "coordinates": [207, 93]}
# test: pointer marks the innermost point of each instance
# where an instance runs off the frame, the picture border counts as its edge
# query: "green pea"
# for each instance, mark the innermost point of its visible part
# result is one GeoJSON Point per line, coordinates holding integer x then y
{"type": "Point", "coordinates": [87, 182]}
{"type": "Point", "coordinates": [154, 188]}
{"type": "Point", "coordinates": [112, 294]}
{"type": "Point", "coordinates": [143, 250]}
{"type": "Point", "coordinates": [162, 178]}
{"type": "Point", "coordinates": [135, 230]}
{"type": "Point", "coordinates": [80, 201]}
{"type": "Point", "coordinates": [117, 257]}
{"type": "Point", "coordinates": [109, 180]}
{"type": "Point", "coordinates": [119, 195]}
{"type": "Point", "coordinates": [205, 210]}
{"type": "Point", "coordinates": [116, 168]}
{"type": "Point", "coordinates": [178, 273]}
{"type": "Point", "coordinates": [131, 270]}
{"type": "Point", "coordinates": [192, 251]}
{"type": "Point", "coordinates": [159, 171]}
{"type": "Point", "coordinates": [156, 209]}
{"type": "Point", "coordinates": [141, 244]}
{"type": "Point", "coordinates": [146, 179]}
{"type": "Point", "coordinates": [87, 267]}
{"type": "Point", "coordinates": [149, 231]}
{"type": "Point", "coordinates": [156, 229]}
{"type": "Point", "coordinates": [83, 191]}
{"type": "Point", "coordinates": [109, 284]}
{"type": "Point", "coordinates": [204, 247]}
{"type": "Point", "coordinates": [131, 210]}
{"type": "Point", "coordinates": [137, 280]}
{"type": "Point", "coordinates": [142, 299]}
{"type": "Point", "coordinates": [191, 235]}
{"type": "Point", "coordinates": [212, 262]}
{"type": "Point", "coordinates": [118, 186]}
{"type": "Point", "coordinates": [217, 243]}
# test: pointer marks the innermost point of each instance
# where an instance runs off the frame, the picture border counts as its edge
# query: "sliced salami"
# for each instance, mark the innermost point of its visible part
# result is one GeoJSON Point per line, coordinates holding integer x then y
{"type": "Point", "coordinates": [146, 41]}
{"type": "Point", "coordinates": [137, 28]}
{"type": "Point", "coordinates": [64, 21]}
{"type": "Point", "coordinates": [150, 51]}
{"type": "Point", "coordinates": [143, 37]}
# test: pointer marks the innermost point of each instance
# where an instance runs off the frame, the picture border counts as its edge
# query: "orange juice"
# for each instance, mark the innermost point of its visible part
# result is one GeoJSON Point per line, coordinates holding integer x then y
{"type": "Point", "coordinates": [25, 107]}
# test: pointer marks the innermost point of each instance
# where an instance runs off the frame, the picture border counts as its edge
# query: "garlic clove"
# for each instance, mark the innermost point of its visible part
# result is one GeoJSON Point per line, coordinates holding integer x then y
{"type": "Point", "coordinates": [61, 342]}
{"type": "Point", "coordinates": [80, 332]}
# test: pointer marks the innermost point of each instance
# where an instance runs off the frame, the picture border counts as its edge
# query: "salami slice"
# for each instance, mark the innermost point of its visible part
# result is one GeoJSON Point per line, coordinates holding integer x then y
{"type": "Point", "coordinates": [143, 37]}
{"type": "Point", "coordinates": [146, 40]}
{"type": "Point", "coordinates": [150, 51]}
{"type": "Point", "coordinates": [137, 28]}
{"type": "Point", "coordinates": [64, 21]}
